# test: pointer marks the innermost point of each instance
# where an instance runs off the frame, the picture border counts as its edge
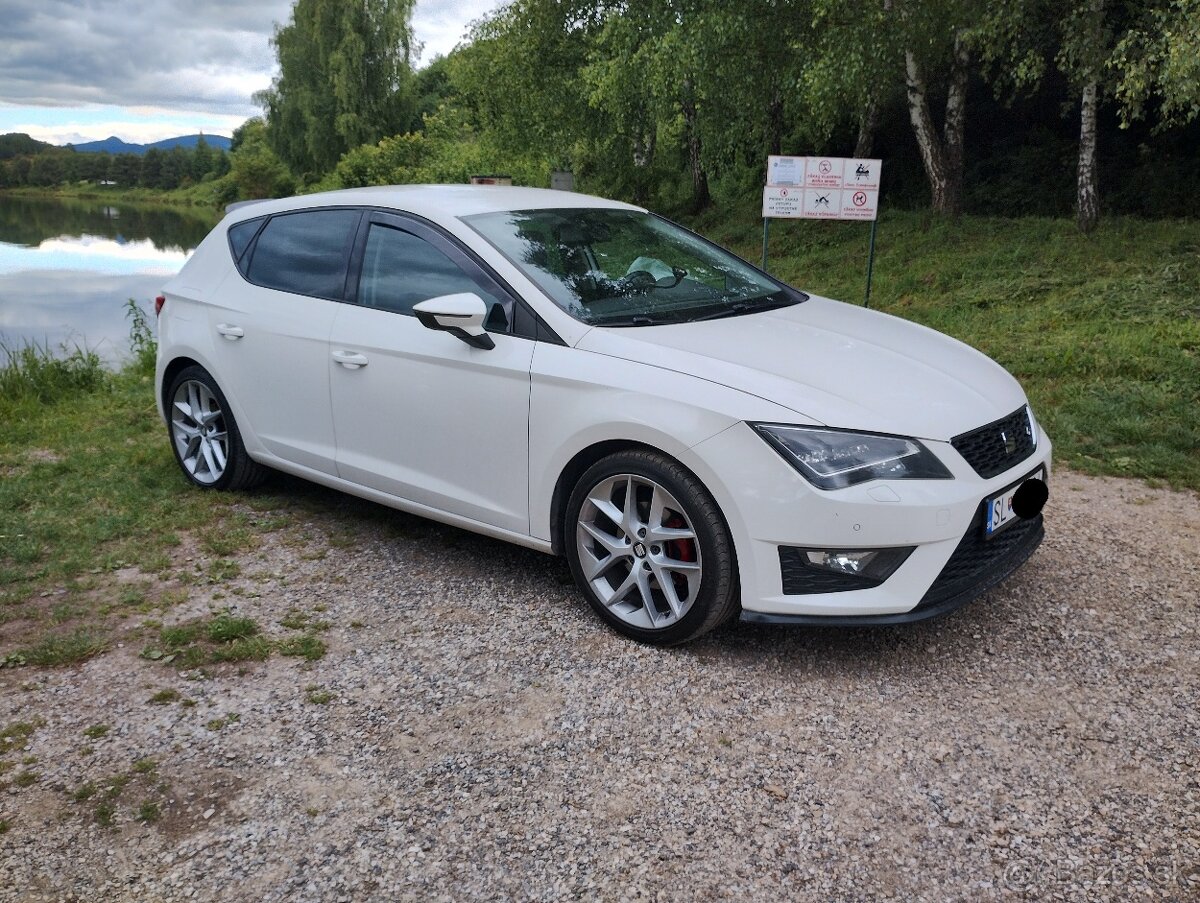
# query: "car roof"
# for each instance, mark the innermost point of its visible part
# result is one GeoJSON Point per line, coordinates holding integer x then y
{"type": "Point", "coordinates": [435, 202]}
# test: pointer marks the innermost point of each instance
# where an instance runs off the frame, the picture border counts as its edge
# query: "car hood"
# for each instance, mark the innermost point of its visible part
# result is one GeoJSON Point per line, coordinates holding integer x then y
{"type": "Point", "coordinates": [834, 364]}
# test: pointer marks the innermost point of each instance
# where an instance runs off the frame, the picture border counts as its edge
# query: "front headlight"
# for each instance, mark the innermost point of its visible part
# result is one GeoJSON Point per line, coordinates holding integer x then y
{"type": "Point", "coordinates": [835, 459]}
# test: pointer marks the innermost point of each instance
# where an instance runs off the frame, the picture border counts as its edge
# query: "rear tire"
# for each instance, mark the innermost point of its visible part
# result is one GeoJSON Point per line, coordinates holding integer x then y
{"type": "Point", "coordinates": [650, 550]}
{"type": "Point", "coordinates": [204, 435]}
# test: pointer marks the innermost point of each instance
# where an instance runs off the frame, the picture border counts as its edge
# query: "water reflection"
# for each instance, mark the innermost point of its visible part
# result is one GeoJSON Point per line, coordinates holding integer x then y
{"type": "Point", "coordinates": [67, 268]}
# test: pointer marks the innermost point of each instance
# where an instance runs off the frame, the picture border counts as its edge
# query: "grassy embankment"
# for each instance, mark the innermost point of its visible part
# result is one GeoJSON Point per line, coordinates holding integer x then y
{"type": "Point", "coordinates": [99, 535]}
{"type": "Point", "coordinates": [98, 531]}
{"type": "Point", "coordinates": [200, 195]}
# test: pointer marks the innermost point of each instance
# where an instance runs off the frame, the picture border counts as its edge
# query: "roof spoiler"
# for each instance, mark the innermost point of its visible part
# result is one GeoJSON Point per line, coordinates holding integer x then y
{"type": "Point", "coordinates": [237, 205]}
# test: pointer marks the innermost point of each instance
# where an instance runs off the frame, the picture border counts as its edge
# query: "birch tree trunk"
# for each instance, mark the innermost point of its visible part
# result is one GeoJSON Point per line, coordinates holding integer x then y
{"type": "Point", "coordinates": [1086, 191]}
{"type": "Point", "coordinates": [942, 158]}
{"type": "Point", "coordinates": [1088, 198]}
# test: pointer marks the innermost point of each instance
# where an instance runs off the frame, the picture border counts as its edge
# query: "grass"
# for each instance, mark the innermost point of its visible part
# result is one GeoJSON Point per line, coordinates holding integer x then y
{"type": "Point", "coordinates": [1102, 330]}
{"type": "Point", "coordinates": [16, 735]}
{"type": "Point", "coordinates": [222, 638]}
{"type": "Point", "coordinates": [203, 194]}
{"type": "Point", "coordinates": [88, 487]}
{"type": "Point", "coordinates": [316, 695]}
{"type": "Point", "coordinates": [35, 374]}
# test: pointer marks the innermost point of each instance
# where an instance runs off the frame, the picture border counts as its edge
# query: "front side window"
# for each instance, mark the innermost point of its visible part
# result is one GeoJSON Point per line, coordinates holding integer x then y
{"type": "Point", "coordinates": [400, 270]}
{"type": "Point", "coordinates": [305, 253]}
{"type": "Point", "coordinates": [610, 267]}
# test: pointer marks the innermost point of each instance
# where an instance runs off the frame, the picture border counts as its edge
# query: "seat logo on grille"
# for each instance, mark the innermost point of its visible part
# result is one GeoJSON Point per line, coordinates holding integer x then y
{"type": "Point", "coordinates": [1010, 442]}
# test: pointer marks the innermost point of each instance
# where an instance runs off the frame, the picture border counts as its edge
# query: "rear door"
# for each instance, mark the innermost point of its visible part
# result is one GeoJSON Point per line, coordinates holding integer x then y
{"type": "Point", "coordinates": [271, 322]}
{"type": "Point", "coordinates": [419, 414]}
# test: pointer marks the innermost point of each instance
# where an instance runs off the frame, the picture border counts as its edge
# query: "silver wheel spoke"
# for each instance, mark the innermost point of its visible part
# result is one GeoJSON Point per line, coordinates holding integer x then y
{"type": "Point", "coordinates": [619, 594]}
{"type": "Point", "coordinates": [668, 590]}
{"type": "Point", "coordinates": [610, 544]}
{"type": "Point", "coordinates": [609, 510]}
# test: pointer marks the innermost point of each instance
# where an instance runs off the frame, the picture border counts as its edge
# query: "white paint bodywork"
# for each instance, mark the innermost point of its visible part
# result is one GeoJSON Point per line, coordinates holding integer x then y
{"type": "Point", "coordinates": [479, 438]}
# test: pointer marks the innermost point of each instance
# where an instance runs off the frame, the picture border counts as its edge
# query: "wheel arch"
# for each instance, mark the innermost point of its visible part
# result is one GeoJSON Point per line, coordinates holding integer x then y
{"type": "Point", "coordinates": [586, 457]}
{"type": "Point", "coordinates": [170, 371]}
{"type": "Point", "coordinates": [570, 475]}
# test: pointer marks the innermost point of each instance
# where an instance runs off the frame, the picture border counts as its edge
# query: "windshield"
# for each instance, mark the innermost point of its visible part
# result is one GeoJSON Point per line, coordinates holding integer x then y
{"type": "Point", "coordinates": [628, 268]}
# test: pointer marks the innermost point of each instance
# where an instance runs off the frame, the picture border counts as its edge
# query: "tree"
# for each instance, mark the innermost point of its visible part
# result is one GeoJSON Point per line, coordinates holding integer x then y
{"type": "Point", "coordinates": [1158, 58]}
{"type": "Point", "coordinates": [151, 174]}
{"type": "Point", "coordinates": [125, 170]}
{"type": "Point", "coordinates": [255, 169]}
{"type": "Point", "coordinates": [344, 79]}
{"type": "Point", "coordinates": [202, 160]}
{"type": "Point", "coordinates": [1085, 44]}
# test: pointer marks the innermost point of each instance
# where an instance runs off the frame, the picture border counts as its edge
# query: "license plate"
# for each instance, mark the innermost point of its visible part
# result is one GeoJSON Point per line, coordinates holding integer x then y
{"type": "Point", "coordinates": [999, 507]}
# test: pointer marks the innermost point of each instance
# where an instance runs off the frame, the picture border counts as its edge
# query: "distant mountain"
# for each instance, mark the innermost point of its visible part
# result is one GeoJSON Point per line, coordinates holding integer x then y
{"type": "Point", "coordinates": [114, 145]}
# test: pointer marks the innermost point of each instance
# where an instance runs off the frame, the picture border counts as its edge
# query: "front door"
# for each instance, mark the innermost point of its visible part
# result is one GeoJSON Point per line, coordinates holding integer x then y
{"type": "Point", "coordinates": [419, 414]}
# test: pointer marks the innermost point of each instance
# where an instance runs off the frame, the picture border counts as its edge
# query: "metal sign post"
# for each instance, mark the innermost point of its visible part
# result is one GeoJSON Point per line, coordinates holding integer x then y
{"type": "Point", "coordinates": [842, 188]}
{"type": "Point", "coordinates": [870, 263]}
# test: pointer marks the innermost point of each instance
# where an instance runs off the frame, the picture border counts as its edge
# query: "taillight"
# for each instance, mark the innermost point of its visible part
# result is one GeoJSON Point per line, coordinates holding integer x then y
{"type": "Point", "coordinates": [158, 304]}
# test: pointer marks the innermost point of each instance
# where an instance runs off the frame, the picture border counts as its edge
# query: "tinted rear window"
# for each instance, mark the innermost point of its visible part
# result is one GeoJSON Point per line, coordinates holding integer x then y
{"type": "Point", "coordinates": [239, 239]}
{"type": "Point", "coordinates": [306, 253]}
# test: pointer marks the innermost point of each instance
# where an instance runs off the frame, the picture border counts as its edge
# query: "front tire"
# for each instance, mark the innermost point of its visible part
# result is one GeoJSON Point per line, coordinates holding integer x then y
{"type": "Point", "coordinates": [204, 435]}
{"type": "Point", "coordinates": [650, 550]}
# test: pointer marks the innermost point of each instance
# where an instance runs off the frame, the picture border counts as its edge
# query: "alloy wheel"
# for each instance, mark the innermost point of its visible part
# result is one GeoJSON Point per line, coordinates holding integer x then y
{"type": "Point", "coordinates": [198, 429]}
{"type": "Point", "coordinates": [638, 551]}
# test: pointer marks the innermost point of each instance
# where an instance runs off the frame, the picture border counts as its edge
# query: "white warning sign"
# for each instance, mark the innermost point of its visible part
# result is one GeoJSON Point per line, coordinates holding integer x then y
{"type": "Point", "coordinates": [782, 202]}
{"type": "Point", "coordinates": [821, 188]}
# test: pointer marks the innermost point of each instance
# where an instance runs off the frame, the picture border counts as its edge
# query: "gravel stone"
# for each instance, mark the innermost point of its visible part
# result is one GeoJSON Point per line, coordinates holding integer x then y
{"type": "Point", "coordinates": [486, 738]}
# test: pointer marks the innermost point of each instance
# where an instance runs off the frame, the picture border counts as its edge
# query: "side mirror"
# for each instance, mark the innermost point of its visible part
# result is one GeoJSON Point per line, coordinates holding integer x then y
{"type": "Point", "coordinates": [461, 315]}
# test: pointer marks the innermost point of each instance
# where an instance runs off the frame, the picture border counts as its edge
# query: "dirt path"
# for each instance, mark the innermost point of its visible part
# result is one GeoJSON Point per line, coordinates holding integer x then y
{"type": "Point", "coordinates": [473, 732]}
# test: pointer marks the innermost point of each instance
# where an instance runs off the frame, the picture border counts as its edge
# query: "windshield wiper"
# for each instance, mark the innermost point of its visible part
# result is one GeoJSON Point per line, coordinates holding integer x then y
{"type": "Point", "coordinates": [638, 320]}
{"type": "Point", "coordinates": [738, 308]}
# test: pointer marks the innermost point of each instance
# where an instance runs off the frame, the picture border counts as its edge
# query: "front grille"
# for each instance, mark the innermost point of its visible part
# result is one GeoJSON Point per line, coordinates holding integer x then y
{"type": "Point", "coordinates": [994, 448]}
{"type": "Point", "coordinates": [978, 563]}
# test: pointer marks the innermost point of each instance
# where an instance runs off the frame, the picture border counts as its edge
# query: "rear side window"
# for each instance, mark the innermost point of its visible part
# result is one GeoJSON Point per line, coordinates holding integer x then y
{"type": "Point", "coordinates": [400, 270]}
{"type": "Point", "coordinates": [239, 239]}
{"type": "Point", "coordinates": [305, 253]}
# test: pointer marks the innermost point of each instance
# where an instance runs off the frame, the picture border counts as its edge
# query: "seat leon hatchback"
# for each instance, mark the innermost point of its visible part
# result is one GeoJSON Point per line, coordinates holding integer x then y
{"type": "Point", "coordinates": [585, 378]}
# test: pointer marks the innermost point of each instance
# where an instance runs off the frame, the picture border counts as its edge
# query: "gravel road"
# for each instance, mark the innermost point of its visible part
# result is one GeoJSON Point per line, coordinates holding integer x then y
{"type": "Point", "coordinates": [474, 733]}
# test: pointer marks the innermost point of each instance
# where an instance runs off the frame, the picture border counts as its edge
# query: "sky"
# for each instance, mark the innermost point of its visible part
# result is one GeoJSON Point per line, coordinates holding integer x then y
{"type": "Point", "coordinates": [143, 70]}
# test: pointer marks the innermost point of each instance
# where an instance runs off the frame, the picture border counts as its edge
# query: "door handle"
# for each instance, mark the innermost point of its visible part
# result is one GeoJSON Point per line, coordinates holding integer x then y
{"type": "Point", "coordinates": [350, 360]}
{"type": "Point", "coordinates": [230, 331]}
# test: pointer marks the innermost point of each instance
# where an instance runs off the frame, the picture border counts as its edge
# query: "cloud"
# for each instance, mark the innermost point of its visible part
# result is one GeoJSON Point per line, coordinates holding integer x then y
{"type": "Point", "coordinates": [201, 55]}
{"type": "Point", "coordinates": [206, 57]}
{"type": "Point", "coordinates": [440, 25]}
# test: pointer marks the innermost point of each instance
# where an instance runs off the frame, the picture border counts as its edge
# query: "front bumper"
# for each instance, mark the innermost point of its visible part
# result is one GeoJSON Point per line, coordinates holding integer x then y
{"type": "Point", "coordinates": [768, 506]}
{"type": "Point", "coordinates": [976, 566]}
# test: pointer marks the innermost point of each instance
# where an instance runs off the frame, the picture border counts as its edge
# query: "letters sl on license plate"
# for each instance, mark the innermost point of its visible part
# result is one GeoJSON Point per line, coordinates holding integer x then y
{"type": "Point", "coordinates": [999, 508]}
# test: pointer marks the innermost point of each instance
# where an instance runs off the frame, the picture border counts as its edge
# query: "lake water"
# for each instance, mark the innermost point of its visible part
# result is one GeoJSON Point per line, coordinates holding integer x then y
{"type": "Point", "coordinates": [67, 268]}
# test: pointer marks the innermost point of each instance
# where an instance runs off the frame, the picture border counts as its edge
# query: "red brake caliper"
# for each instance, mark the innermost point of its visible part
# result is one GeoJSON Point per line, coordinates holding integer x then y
{"type": "Point", "coordinates": [680, 550]}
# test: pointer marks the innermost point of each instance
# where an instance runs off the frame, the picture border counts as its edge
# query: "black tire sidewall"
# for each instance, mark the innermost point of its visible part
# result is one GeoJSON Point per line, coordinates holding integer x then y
{"type": "Point", "coordinates": [716, 547]}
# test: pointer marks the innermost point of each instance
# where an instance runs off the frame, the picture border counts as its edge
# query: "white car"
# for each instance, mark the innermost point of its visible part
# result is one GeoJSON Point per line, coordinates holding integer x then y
{"type": "Point", "coordinates": [585, 378]}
